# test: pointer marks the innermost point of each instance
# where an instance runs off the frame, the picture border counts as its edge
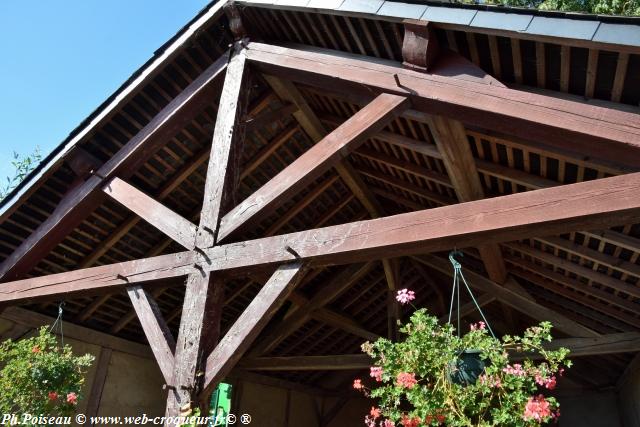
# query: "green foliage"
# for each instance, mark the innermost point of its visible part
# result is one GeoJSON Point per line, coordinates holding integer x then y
{"type": "Point", "coordinates": [604, 7]}
{"type": "Point", "coordinates": [22, 165]}
{"type": "Point", "coordinates": [40, 377]}
{"type": "Point", "coordinates": [413, 386]}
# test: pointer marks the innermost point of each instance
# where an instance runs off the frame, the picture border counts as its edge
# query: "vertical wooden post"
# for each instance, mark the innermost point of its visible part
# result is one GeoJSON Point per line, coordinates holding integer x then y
{"type": "Point", "coordinates": [95, 395]}
{"type": "Point", "coordinates": [203, 297]}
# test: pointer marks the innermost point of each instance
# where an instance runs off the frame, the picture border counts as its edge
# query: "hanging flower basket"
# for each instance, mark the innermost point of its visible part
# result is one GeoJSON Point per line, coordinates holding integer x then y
{"type": "Point", "coordinates": [40, 377]}
{"type": "Point", "coordinates": [438, 376]}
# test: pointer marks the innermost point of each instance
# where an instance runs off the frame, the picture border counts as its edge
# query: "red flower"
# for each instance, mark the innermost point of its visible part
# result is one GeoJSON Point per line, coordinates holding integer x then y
{"type": "Point", "coordinates": [72, 398]}
{"type": "Point", "coordinates": [550, 383]}
{"type": "Point", "coordinates": [52, 395]}
{"type": "Point", "coordinates": [406, 379]}
{"type": "Point", "coordinates": [409, 422]}
{"type": "Point", "coordinates": [357, 384]}
{"type": "Point", "coordinates": [375, 412]}
{"type": "Point", "coordinates": [35, 349]}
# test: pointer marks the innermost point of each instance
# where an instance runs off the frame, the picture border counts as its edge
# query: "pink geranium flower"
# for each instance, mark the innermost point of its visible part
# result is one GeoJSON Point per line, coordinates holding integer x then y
{"type": "Point", "coordinates": [537, 409]}
{"type": "Point", "coordinates": [478, 326]}
{"type": "Point", "coordinates": [516, 370]}
{"type": "Point", "coordinates": [375, 412]}
{"type": "Point", "coordinates": [387, 423]}
{"type": "Point", "coordinates": [406, 379]}
{"type": "Point", "coordinates": [357, 384]}
{"type": "Point", "coordinates": [52, 395]}
{"type": "Point", "coordinates": [376, 372]}
{"type": "Point", "coordinates": [404, 296]}
{"type": "Point", "coordinates": [72, 398]}
{"type": "Point", "coordinates": [409, 422]}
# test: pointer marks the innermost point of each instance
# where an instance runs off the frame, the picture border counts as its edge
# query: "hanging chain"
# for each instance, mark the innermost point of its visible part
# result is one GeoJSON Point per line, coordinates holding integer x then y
{"type": "Point", "coordinates": [58, 323]}
{"type": "Point", "coordinates": [457, 275]}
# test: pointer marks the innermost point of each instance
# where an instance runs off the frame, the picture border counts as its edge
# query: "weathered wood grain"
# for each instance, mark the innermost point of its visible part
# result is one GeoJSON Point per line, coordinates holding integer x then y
{"type": "Point", "coordinates": [155, 329]}
{"type": "Point", "coordinates": [155, 213]}
{"type": "Point", "coordinates": [229, 132]}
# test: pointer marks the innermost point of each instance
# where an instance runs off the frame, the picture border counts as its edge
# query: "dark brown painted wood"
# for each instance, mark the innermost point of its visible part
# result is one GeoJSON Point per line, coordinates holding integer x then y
{"type": "Point", "coordinates": [247, 327]}
{"type": "Point", "coordinates": [420, 48]}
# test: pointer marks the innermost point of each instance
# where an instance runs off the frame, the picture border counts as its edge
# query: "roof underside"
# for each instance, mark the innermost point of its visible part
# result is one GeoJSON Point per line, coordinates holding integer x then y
{"type": "Point", "coordinates": [578, 274]}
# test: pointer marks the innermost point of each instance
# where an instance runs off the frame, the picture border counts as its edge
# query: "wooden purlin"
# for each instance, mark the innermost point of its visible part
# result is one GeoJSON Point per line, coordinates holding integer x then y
{"type": "Point", "coordinates": [578, 347]}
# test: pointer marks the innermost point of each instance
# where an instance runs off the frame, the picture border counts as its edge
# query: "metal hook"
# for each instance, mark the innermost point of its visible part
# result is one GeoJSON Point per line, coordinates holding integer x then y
{"type": "Point", "coordinates": [456, 264]}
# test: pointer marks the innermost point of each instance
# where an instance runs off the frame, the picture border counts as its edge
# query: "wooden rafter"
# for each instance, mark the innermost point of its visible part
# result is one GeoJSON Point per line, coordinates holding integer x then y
{"type": "Point", "coordinates": [451, 139]}
{"type": "Point", "coordinates": [76, 205]}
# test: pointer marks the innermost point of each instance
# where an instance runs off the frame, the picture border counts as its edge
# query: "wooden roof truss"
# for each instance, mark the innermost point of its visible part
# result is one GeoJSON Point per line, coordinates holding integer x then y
{"type": "Point", "coordinates": [378, 167]}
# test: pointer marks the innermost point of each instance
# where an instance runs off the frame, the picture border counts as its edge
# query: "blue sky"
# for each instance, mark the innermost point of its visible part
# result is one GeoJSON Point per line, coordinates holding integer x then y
{"type": "Point", "coordinates": [61, 58]}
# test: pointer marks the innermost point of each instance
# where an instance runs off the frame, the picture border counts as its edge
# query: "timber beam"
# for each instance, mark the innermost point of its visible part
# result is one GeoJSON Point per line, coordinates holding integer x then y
{"type": "Point", "coordinates": [204, 294]}
{"type": "Point", "coordinates": [579, 347]}
{"type": "Point", "coordinates": [587, 205]}
{"type": "Point", "coordinates": [603, 133]}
